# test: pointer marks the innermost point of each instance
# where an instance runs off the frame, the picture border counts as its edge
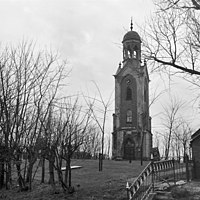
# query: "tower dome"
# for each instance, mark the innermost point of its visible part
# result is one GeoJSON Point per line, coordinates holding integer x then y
{"type": "Point", "coordinates": [131, 35]}
{"type": "Point", "coordinates": [131, 45]}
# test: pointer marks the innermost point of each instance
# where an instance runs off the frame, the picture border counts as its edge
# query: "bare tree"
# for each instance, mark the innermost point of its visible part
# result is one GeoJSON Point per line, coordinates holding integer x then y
{"type": "Point", "coordinates": [157, 139]}
{"type": "Point", "coordinates": [92, 145]}
{"type": "Point", "coordinates": [95, 135]}
{"type": "Point", "coordinates": [170, 118]}
{"type": "Point", "coordinates": [108, 145]}
{"type": "Point", "coordinates": [171, 40]}
{"type": "Point", "coordinates": [182, 136]}
{"type": "Point", "coordinates": [68, 133]}
{"type": "Point", "coordinates": [99, 108]}
{"type": "Point", "coordinates": [29, 81]}
{"type": "Point", "coordinates": [86, 149]}
{"type": "Point", "coordinates": [171, 37]}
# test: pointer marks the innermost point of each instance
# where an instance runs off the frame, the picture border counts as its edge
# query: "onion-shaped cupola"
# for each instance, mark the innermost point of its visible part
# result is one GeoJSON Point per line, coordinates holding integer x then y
{"type": "Point", "coordinates": [131, 45]}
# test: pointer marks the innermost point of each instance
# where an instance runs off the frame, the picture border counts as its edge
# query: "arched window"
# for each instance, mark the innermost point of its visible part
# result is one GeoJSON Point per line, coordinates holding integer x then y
{"type": "Point", "coordinates": [135, 51]}
{"type": "Point", "coordinates": [128, 93]}
{"type": "Point", "coordinates": [129, 54]}
{"type": "Point", "coordinates": [129, 116]}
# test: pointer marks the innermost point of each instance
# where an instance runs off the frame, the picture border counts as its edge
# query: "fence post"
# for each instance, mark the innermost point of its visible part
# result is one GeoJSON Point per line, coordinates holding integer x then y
{"type": "Point", "coordinates": [100, 162]}
{"type": "Point", "coordinates": [152, 165]}
{"type": "Point", "coordinates": [127, 189]}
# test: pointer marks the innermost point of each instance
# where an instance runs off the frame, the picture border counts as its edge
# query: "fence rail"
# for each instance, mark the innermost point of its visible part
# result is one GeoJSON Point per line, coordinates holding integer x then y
{"type": "Point", "coordinates": [154, 174]}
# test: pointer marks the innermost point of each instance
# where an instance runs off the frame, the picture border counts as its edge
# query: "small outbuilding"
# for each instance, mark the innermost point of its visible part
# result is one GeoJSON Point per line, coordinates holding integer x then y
{"type": "Point", "coordinates": [195, 145]}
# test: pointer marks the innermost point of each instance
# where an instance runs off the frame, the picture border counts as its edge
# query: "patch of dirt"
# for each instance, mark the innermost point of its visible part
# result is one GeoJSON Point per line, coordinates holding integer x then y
{"type": "Point", "coordinates": [188, 191]}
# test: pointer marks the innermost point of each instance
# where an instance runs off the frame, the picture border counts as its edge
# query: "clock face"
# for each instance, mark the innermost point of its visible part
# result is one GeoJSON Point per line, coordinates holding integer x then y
{"type": "Point", "coordinates": [128, 82]}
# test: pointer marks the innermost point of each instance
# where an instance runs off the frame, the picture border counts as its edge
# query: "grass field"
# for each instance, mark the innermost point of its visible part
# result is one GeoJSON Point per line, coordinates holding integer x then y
{"type": "Point", "coordinates": [89, 183]}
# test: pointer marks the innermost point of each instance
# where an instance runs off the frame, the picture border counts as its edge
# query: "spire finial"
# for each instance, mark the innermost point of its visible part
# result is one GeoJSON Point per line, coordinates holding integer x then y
{"type": "Point", "coordinates": [131, 24]}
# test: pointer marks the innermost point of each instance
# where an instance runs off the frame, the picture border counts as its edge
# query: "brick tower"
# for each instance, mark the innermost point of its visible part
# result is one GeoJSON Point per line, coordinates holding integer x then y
{"type": "Point", "coordinates": [131, 136]}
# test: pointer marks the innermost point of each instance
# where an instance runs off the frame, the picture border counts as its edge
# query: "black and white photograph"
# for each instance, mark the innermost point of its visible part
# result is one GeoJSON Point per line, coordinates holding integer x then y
{"type": "Point", "coordinates": [99, 99]}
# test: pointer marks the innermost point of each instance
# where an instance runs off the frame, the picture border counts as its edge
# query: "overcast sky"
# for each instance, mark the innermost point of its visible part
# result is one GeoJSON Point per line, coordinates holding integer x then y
{"type": "Point", "coordinates": [87, 33]}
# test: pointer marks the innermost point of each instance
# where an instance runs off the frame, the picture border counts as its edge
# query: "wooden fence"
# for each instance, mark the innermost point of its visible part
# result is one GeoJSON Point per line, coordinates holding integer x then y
{"type": "Point", "coordinates": [156, 173]}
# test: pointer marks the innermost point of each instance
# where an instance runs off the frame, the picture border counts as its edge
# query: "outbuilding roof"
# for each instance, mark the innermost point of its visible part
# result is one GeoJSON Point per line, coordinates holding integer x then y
{"type": "Point", "coordinates": [195, 135]}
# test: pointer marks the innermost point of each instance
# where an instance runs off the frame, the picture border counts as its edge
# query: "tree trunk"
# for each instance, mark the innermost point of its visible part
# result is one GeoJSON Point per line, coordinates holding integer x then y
{"type": "Point", "coordinates": [43, 170]}
{"type": "Point", "coordinates": [30, 171]}
{"type": "Point", "coordinates": [31, 159]}
{"type": "Point", "coordinates": [29, 175]}
{"type": "Point", "coordinates": [168, 143]}
{"type": "Point", "coordinates": [25, 168]}
{"type": "Point", "coordinates": [60, 178]}
{"type": "Point", "coordinates": [102, 146]}
{"type": "Point", "coordinates": [8, 175]}
{"type": "Point", "coordinates": [70, 174]}
{"type": "Point", "coordinates": [21, 181]}
{"type": "Point", "coordinates": [1, 173]}
{"type": "Point", "coordinates": [51, 171]}
{"type": "Point", "coordinates": [66, 173]}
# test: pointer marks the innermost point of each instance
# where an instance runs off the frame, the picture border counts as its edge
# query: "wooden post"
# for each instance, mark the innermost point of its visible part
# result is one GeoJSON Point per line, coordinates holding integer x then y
{"type": "Point", "coordinates": [100, 162]}
{"type": "Point", "coordinates": [174, 169]}
{"type": "Point", "coordinates": [127, 189]}
{"type": "Point", "coordinates": [152, 180]}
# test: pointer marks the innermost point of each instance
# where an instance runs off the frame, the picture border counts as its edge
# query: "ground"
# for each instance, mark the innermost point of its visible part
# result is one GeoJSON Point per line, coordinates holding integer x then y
{"type": "Point", "coordinates": [89, 183]}
{"type": "Point", "coordinates": [187, 191]}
